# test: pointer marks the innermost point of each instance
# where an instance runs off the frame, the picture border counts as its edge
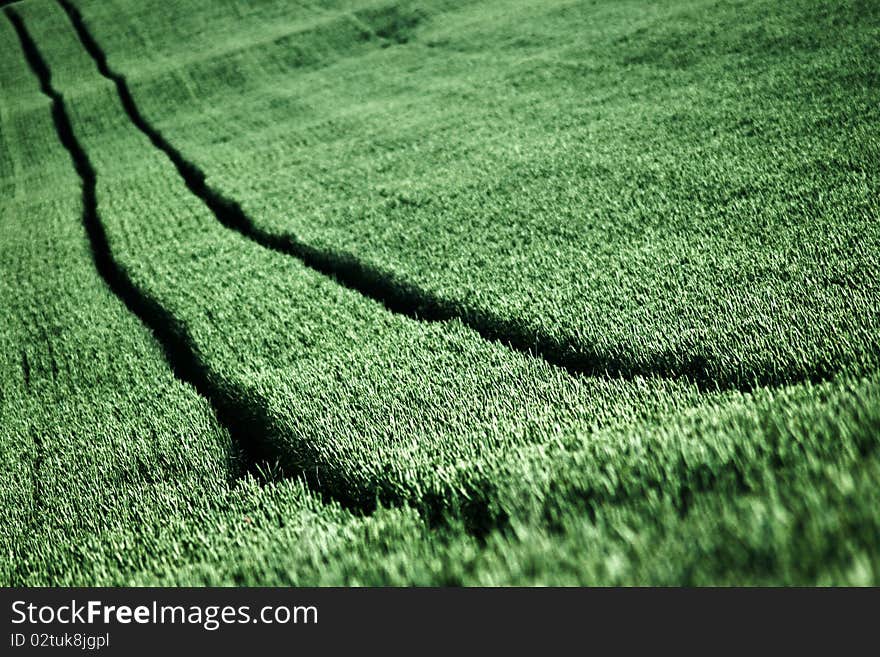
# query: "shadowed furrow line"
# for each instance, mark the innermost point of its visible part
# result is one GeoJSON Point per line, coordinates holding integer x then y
{"type": "Point", "coordinates": [245, 418]}
{"type": "Point", "coordinates": [245, 428]}
{"type": "Point", "coordinates": [394, 294]}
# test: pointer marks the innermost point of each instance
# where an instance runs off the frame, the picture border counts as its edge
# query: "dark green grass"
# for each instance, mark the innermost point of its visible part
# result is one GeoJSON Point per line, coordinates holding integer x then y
{"type": "Point", "coordinates": [499, 466]}
{"type": "Point", "coordinates": [364, 402]}
{"type": "Point", "coordinates": [111, 468]}
{"type": "Point", "coordinates": [97, 436]}
{"type": "Point", "coordinates": [678, 188]}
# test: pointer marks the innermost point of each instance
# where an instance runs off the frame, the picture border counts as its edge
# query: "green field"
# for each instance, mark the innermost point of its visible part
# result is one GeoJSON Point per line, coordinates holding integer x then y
{"type": "Point", "coordinates": [437, 292]}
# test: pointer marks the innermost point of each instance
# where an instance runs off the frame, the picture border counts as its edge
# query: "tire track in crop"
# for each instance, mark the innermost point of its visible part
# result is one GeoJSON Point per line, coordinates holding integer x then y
{"type": "Point", "coordinates": [398, 296]}
{"type": "Point", "coordinates": [237, 416]}
{"type": "Point", "coordinates": [185, 359]}
{"type": "Point", "coordinates": [240, 415]}
{"type": "Point", "coordinates": [172, 335]}
{"type": "Point", "coordinates": [690, 480]}
{"type": "Point", "coordinates": [247, 423]}
{"type": "Point", "coordinates": [25, 370]}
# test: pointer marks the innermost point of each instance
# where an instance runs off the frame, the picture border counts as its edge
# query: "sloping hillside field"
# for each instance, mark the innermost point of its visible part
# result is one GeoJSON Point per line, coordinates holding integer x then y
{"type": "Point", "coordinates": [439, 292]}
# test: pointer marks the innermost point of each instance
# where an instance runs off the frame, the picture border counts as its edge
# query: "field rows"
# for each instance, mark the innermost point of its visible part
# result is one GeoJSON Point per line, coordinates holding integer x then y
{"type": "Point", "coordinates": [286, 414]}
{"type": "Point", "coordinates": [729, 271]}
